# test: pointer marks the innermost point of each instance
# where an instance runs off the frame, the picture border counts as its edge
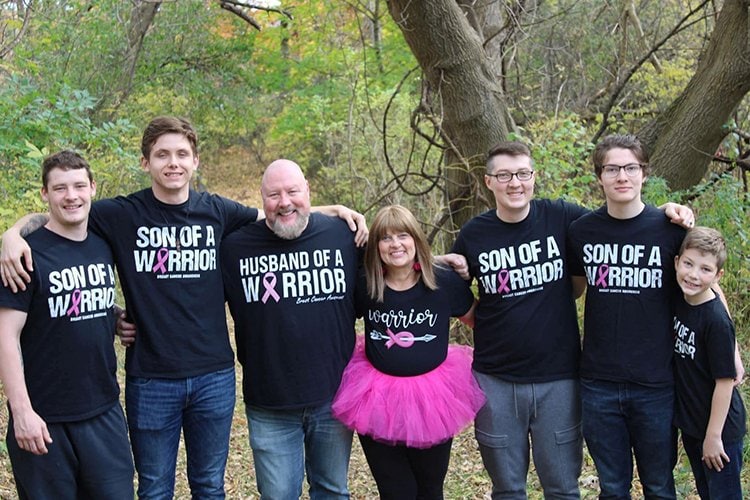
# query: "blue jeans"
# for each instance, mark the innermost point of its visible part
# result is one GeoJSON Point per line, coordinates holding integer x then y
{"type": "Point", "coordinates": [716, 485]}
{"type": "Point", "coordinates": [548, 413]}
{"type": "Point", "coordinates": [283, 440]}
{"type": "Point", "coordinates": [202, 408]}
{"type": "Point", "coordinates": [618, 417]}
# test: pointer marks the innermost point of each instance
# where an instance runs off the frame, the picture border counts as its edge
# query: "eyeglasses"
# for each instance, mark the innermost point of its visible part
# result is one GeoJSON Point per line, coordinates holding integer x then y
{"type": "Point", "coordinates": [612, 171]}
{"type": "Point", "coordinates": [521, 175]}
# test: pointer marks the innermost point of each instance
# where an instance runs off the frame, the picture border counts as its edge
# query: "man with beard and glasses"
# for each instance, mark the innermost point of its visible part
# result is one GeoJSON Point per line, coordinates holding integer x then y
{"type": "Point", "coordinates": [289, 281]}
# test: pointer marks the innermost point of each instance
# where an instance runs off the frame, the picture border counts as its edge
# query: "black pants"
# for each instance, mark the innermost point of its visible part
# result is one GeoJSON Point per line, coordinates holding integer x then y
{"type": "Point", "coordinates": [407, 473]}
{"type": "Point", "coordinates": [88, 459]}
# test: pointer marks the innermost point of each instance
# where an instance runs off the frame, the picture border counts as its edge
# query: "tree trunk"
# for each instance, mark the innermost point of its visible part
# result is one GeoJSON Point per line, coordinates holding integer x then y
{"type": "Point", "coordinates": [469, 105]}
{"type": "Point", "coordinates": [684, 138]}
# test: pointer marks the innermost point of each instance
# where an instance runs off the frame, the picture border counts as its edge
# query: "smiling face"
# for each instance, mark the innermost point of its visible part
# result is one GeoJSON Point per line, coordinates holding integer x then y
{"type": "Point", "coordinates": [513, 197]}
{"type": "Point", "coordinates": [286, 199]}
{"type": "Point", "coordinates": [397, 250]}
{"type": "Point", "coordinates": [622, 190]}
{"type": "Point", "coordinates": [171, 164]}
{"type": "Point", "coordinates": [68, 194]}
{"type": "Point", "coordinates": [697, 272]}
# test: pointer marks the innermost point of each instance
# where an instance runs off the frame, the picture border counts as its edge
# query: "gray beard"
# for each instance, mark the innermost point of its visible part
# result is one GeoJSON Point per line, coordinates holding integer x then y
{"type": "Point", "coordinates": [291, 231]}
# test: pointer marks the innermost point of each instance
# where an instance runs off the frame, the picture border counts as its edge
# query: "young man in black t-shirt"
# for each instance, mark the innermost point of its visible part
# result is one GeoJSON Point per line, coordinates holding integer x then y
{"type": "Point", "coordinates": [626, 251]}
{"type": "Point", "coordinates": [67, 436]}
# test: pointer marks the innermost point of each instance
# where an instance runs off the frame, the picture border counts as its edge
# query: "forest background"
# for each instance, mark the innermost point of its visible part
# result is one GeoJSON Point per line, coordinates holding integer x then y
{"type": "Point", "coordinates": [389, 102]}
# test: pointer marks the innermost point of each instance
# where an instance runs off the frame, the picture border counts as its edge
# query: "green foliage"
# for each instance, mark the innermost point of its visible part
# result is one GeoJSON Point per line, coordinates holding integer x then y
{"type": "Point", "coordinates": [561, 151]}
{"type": "Point", "coordinates": [38, 122]}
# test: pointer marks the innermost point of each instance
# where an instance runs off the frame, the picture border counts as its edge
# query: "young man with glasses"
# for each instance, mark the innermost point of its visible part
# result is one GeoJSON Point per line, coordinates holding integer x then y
{"type": "Point", "coordinates": [626, 252]}
{"type": "Point", "coordinates": [526, 340]}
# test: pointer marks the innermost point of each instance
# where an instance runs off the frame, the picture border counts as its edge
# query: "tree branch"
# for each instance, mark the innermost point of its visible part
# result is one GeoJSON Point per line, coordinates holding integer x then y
{"type": "Point", "coordinates": [240, 8]}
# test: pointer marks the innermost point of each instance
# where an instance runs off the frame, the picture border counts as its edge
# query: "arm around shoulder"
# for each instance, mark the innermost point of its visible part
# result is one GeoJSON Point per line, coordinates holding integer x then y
{"type": "Point", "coordinates": [15, 251]}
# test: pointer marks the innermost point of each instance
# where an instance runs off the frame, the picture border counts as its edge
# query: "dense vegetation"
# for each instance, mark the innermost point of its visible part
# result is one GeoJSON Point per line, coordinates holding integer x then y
{"type": "Point", "coordinates": [334, 86]}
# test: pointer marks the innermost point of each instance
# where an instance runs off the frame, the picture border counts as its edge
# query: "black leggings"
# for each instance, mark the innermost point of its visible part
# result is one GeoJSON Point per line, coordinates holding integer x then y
{"type": "Point", "coordinates": [407, 473]}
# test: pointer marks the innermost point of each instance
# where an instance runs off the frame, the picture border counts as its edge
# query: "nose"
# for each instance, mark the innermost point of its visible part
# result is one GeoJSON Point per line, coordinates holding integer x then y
{"type": "Point", "coordinates": [621, 174]}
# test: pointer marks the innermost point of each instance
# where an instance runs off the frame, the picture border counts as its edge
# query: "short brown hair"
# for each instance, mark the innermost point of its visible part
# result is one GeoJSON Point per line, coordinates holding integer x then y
{"type": "Point", "coordinates": [168, 125]}
{"type": "Point", "coordinates": [507, 148]}
{"type": "Point", "coordinates": [64, 160]}
{"type": "Point", "coordinates": [708, 241]}
{"type": "Point", "coordinates": [396, 218]}
{"type": "Point", "coordinates": [620, 141]}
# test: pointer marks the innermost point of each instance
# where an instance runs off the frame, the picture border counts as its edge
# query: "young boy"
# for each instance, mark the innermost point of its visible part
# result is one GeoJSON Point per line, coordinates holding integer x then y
{"type": "Point", "coordinates": [708, 409]}
{"type": "Point", "coordinates": [67, 436]}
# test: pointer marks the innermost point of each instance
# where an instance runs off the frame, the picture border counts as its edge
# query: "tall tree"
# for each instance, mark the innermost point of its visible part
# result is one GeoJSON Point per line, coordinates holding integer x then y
{"type": "Point", "coordinates": [471, 110]}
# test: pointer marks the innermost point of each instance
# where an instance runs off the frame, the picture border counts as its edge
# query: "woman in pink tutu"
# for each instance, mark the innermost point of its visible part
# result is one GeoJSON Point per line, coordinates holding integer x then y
{"type": "Point", "coordinates": [406, 391]}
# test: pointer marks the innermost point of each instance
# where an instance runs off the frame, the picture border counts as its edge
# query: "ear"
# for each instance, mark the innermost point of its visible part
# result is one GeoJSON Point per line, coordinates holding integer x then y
{"type": "Point", "coordinates": [487, 180]}
{"type": "Point", "coordinates": [676, 260]}
{"type": "Point", "coordinates": [144, 163]}
{"type": "Point", "coordinates": [719, 275]}
{"type": "Point", "coordinates": [45, 198]}
{"type": "Point", "coordinates": [93, 188]}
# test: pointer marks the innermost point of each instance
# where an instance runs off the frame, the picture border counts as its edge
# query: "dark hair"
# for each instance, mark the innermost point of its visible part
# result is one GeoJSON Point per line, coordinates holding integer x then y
{"type": "Point", "coordinates": [706, 240]}
{"type": "Point", "coordinates": [167, 125]}
{"type": "Point", "coordinates": [620, 141]}
{"type": "Point", "coordinates": [64, 160]}
{"type": "Point", "coordinates": [508, 148]}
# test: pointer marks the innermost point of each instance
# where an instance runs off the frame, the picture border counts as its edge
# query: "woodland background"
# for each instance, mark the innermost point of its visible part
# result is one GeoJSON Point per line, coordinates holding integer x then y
{"type": "Point", "coordinates": [389, 101]}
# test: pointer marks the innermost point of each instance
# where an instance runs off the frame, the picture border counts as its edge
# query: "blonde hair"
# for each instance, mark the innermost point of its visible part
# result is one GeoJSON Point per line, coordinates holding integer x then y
{"type": "Point", "coordinates": [396, 219]}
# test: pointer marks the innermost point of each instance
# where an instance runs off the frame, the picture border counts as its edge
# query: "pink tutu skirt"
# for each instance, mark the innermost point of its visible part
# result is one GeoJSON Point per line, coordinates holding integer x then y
{"type": "Point", "coordinates": [419, 411]}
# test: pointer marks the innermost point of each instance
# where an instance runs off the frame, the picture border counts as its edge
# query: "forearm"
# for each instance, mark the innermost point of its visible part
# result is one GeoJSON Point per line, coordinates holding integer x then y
{"type": "Point", "coordinates": [11, 373]}
{"type": "Point", "coordinates": [720, 401]}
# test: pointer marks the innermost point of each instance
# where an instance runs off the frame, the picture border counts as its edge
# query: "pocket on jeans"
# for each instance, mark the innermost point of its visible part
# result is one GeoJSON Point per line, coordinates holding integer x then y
{"type": "Point", "coordinates": [139, 381]}
{"type": "Point", "coordinates": [568, 435]}
{"type": "Point", "coordinates": [490, 440]}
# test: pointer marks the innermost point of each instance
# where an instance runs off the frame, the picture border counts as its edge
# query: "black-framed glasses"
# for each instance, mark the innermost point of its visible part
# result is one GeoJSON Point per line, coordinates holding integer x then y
{"type": "Point", "coordinates": [612, 171]}
{"type": "Point", "coordinates": [521, 175]}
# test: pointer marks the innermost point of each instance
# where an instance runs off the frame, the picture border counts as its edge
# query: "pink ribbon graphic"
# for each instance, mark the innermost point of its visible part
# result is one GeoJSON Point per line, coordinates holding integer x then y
{"type": "Point", "coordinates": [601, 276]}
{"type": "Point", "coordinates": [269, 283]}
{"type": "Point", "coordinates": [161, 258]}
{"type": "Point", "coordinates": [401, 339]}
{"type": "Point", "coordinates": [503, 278]}
{"type": "Point", "coordinates": [76, 298]}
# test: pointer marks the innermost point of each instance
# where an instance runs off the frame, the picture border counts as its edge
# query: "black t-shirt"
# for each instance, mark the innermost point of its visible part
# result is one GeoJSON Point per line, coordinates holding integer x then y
{"type": "Point", "coordinates": [704, 352]}
{"type": "Point", "coordinates": [168, 261]}
{"type": "Point", "coordinates": [293, 306]}
{"type": "Point", "coordinates": [631, 288]}
{"type": "Point", "coordinates": [526, 329]}
{"type": "Point", "coordinates": [407, 334]}
{"type": "Point", "coordinates": [67, 341]}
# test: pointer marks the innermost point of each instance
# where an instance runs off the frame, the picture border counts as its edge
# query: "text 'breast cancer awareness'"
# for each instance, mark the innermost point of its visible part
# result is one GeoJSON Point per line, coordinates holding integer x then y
{"type": "Point", "coordinates": [269, 284]}
{"type": "Point", "coordinates": [601, 276]}
{"type": "Point", "coordinates": [76, 298]}
{"type": "Point", "coordinates": [161, 259]}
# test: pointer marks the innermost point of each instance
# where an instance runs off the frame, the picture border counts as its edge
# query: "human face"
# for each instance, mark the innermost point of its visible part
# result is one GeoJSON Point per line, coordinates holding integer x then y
{"type": "Point", "coordinates": [696, 273]}
{"type": "Point", "coordinates": [514, 196]}
{"type": "Point", "coordinates": [397, 250]}
{"type": "Point", "coordinates": [286, 199]}
{"type": "Point", "coordinates": [622, 189]}
{"type": "Point", "coordinates": [171, 164]}
{"type": "Point", "coordinates": [68, 194]}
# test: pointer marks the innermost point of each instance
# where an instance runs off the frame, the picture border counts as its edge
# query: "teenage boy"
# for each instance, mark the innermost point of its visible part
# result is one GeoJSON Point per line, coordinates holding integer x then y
{"type": "Point", "coordinates": [180, 372]}
{"type": "Point", "coordinates": [626, 249]}
{"type": "Point", "coordinates": [290, 286]}
{"type": "Point", "coordinates": [67, 436]}
{"type": "Point", "coordinates": [708, 410]}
